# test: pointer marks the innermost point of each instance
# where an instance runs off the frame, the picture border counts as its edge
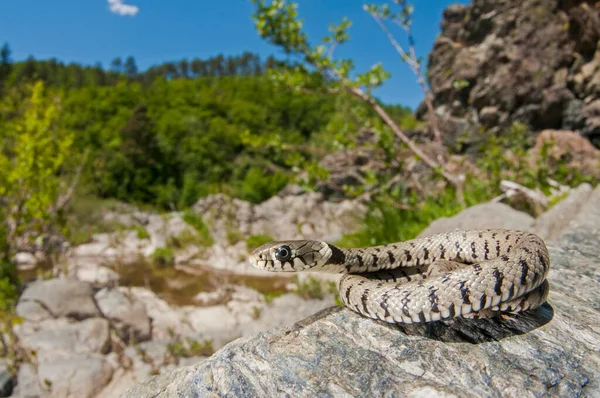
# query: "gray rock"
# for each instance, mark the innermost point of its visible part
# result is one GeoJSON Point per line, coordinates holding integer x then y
{"type": "Point", "coordinates": [77, 376]}
{"type": "Point", "coordinates": [550, 351]}
{"type": "Point", "coordinates": [28, 384]}
{"type": "Point", "coordinates": [6, 381]}
{"type": "Point", "coordinates": [25, 260]}
{"type": "Point", "coordinates": [57, 298]}
{"type": "Point", "coordinates": [482, 216]}
{"type": "Point", "coordinates": [215, 323]}
{"type": "Point", "coordinates": [48, 338]}
{"type": "Point", "coordinates": [127, 315]}
{"type": "Point", "coordinates": [96, 275]}
{"type": "Point", "coordinates": [551, 224]}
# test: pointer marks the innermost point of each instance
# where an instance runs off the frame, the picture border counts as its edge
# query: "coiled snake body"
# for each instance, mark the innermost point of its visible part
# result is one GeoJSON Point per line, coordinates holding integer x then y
{"type": "Point", "coordinates": [475, 273]}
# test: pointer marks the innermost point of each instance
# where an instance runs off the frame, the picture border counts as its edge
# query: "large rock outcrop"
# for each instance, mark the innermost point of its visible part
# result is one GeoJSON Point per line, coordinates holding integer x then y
{"type": "Point", "coordinates": [551, 351]}
{"type": "Point", "coordinates": [534, 61]}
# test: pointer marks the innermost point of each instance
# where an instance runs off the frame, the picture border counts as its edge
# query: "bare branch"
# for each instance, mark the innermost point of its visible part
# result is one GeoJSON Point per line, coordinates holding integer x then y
{"type": "Point", "coordinates": [411, 60]}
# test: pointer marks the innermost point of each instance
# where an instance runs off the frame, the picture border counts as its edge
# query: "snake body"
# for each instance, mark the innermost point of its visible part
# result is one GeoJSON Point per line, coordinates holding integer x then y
{"type": "Point", "coordinates": [475, 273]}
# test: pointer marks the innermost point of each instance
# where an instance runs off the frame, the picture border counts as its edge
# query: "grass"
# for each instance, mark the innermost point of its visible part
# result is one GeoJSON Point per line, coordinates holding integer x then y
{"type": "Point", "coordinates": [86, 217]}
{"type": "Point", "coordinates": [163, 257]}
{"type": "Point", "coordinates": [142, 233]}
{"type": "Point", "coordinates": [272, 295]}
{"type": "Point", "coordinates": [195, 220]}
{"type": "Point", "coordinates": [312, 288]}
{"type": "Point", "coordinates": [254, 241]}
{"type": "Point", "coordinates": [189, 347]}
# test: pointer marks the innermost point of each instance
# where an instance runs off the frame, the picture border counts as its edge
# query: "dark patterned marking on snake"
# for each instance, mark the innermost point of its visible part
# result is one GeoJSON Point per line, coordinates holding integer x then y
{"type": "Point", "coordinates": [442, 251]}
{"type": "Point", "coordinates": [434, 299]}
{"type": "Point", "coordinates": [542, 260]}
{"type": "Point", "coordinates": [364, 299]}
{"type": "Point", "coordinates": [375, 258]}
{"type": "Point", "coordinates": [408, 255]}
{"type": "Point", "coordinates": [482, 301]}
{"type": "Point", "coordinates": [452, 310]}
{"type": "Point", "coordinates": [422, 317]}
{"type": "Point", "coordinates": [360, 261]}
{"type": "Point", "coordinates": [524, 271]}
{"type": "Point", "coordinates": [425, 253]}
{"type": "Point", "coordinates": [391, 257]}
{"type": "Point", "coordinates": [499, 279]}
{"type": "Point", "coordinates": [486, 250]}
{"type": "Point", "coordinates": [504, 257]}
{"type": "Point", "coordinates": [465, 293]}
{"type": "Point", "coordinates": [473, 250]}
{"type": "Point", "coordinates": [384, 304]}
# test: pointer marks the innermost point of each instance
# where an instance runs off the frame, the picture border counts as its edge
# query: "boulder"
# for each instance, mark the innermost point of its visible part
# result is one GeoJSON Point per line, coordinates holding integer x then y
{"type": "Point", "coordinates": [482, 216]}
{"type": "Point", "coordinates": [54, 337]}
{"type": "Point", "coordinates": [57, 298]}
{"type": "Point", "coordinates": [76, 376]}
{"type": "Point", "coordinates": [127, 315]}
{"type": "Point", "coordinates": [551, 224]}
{"type": "Point", "coordinates": [552, 350]}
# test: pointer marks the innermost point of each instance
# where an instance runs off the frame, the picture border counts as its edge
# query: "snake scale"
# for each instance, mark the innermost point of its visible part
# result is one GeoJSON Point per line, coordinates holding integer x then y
{"type": "Point", "coordinates": [473, 274]}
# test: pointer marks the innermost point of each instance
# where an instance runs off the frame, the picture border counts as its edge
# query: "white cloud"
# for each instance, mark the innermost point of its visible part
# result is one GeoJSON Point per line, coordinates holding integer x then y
{"type": "Point", "coordinates": [118, 7]}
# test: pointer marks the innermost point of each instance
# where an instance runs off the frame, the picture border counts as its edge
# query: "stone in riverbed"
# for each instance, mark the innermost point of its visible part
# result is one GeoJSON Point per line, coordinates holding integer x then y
{"type": "Point", "coordinates": [127, 315]}
{"type": "Point", "coordinates": [57, 298]}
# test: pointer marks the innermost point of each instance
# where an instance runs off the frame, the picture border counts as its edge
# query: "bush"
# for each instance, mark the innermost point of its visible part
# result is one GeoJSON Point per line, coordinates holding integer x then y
{"type": "Point", "coordinates": [259, 186]}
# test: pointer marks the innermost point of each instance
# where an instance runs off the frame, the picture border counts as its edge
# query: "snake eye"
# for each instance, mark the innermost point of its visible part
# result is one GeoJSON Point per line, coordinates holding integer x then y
{"type": "Point", "coordinates": [283, 253]}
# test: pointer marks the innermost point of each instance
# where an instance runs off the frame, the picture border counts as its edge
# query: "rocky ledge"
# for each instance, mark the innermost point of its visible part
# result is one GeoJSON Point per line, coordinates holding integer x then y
{"type": "Point", "coordinates": [551, 351]}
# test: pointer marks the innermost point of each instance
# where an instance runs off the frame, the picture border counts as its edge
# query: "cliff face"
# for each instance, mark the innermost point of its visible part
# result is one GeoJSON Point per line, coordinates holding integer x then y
{"type": "Point", "coordinates": [534, 61]}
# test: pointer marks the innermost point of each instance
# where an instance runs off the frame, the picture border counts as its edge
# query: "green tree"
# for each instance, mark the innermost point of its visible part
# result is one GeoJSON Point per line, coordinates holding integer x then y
{"type": "Point", "coordinates": [33, 185]}
{"type": "Point", "coordinates": [5, 66]}
{"type": "Point", "coordinates": [137, 165]}
{"type": "Point", "coordinates": [130, 68]}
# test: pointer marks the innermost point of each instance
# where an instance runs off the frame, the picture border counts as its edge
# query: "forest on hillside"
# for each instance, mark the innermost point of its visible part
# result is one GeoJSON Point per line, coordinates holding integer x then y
{"type": "Point", "coordinates": [178, 131]}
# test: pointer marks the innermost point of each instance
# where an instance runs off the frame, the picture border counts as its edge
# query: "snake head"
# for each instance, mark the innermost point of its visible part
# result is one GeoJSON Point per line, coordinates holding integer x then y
{"type": "Point", "coordinates": [292, 255]}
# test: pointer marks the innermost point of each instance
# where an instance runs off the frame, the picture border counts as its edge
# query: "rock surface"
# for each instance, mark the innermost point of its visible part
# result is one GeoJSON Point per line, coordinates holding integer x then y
{"type": "Point", "coordinates": [553, 350]}
{"type": "Point", "coordinates": [534, 61]}
{"type": "Point", "coordinates": [55, 298]}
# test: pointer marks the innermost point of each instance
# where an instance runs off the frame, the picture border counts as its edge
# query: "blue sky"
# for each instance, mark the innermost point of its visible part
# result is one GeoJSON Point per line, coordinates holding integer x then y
{"type": "Point", "coordinates": [90, 31]}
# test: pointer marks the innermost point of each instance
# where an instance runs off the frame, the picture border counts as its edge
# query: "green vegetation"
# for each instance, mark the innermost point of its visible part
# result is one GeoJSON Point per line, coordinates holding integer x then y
{"type": "Point", "coordinates": [141, 232]}
{"type": "Point", "coordinates": [204, 237]}
{"type": "Point", "coordinates": [163, 257]}
{"type": "Point", "coordinates": [313, 288]}
{"type": "Point", "coordinates": [272, 295]}
{"type": "Point", "coordinates": [188, 347]}
{"type": "Point", "coordinates": [36, 157]}
{"type": "Point", "coordinates": [86, 217]}
{"type": "Point", "coordinates": [255, 241]}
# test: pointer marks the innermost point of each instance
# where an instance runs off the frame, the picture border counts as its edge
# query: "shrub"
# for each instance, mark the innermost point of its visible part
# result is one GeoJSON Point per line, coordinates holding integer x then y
{"type": "Point", "coordinates": [259, 185]}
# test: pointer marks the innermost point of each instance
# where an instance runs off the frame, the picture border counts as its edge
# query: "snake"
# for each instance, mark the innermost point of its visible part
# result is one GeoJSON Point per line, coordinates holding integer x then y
{"type": "Point", "coordinates": [469, 273]}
